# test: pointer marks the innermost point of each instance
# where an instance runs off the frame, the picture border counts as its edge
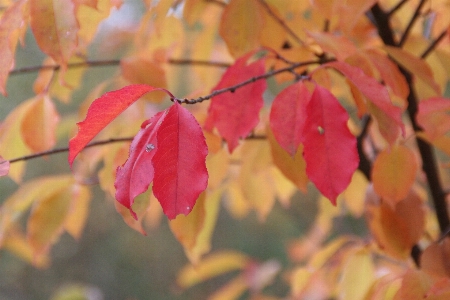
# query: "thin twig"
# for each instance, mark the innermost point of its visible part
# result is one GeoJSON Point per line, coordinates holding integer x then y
{"type": "Point", "coordinates": [411, 23]}
{"type": "Point", "coordinates": [248, 81]}
{"type": "Point", "coordinates": [281, 22]}
{"type": "Point", "coordinates": [396, 7]}
{"type": "Point", "coordinates": [66, 149]}
{"type": "Point", "coordinates": [365, 165]}
{"type": "Point", "coordinates": [434, 44]}
{"type": "Point", "coordinates": [115, 62]}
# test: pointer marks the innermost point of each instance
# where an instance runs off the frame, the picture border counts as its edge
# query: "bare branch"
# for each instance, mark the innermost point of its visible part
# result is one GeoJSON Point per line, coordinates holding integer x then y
{"type": "Point", "coordinates": [411, 23]}
{"type": "Point", "coordinates": [66, 149]}
{"type": "Point", "coordinates": [281, 22]}
{"type": "Point", "coordinates": [248, 81]}
{"type": "Point", "coordinates": [433, 45]}
{"type": "Point", "coordinates": [396, 7]}
{"type": "Point", "coordinates": [115, 62]}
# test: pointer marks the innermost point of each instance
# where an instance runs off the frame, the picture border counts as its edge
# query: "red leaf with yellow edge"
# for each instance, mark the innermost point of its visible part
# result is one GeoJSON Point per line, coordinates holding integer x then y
{"type": "Point", "coordinates": [396, 228]}
{"type": "Point", "coordinates": [293, 167]}
{"type": "Point", "coordinates": [179, 162]}
{"type": "Point", "coordinates": [55, 28]}
{"type": "Point", "coordinates": [39, 124]}
{"type": "Point", "coordinates": [102, 111]}
{"type": "Point", "coordinates": [135, 175]}
{"type": "Point", "coordinates": [388, 116]}
{"type": "Point", "coordinates": [11, 21]}
{"type": "Point", "coordinates": [236, 114]}
{"type": "Point", "coordinates": [240, 30]}
{"type": "Point", "coordinates": [415, 65]}
{"type": "Point", "coordinates": [329, 146]}
{"type": "Point", "coordinates": [287, 116]}
{"type": "Point", "coordinates": [393, 173]}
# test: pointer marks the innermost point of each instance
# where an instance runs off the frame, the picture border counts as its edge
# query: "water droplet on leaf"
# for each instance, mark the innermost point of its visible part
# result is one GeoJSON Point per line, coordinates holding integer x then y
{"type": "Point", "coordinates": [149, 147]}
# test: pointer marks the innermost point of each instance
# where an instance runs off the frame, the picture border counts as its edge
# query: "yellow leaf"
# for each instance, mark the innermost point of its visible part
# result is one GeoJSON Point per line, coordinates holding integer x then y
{"type": "Point", "coordinates": [355, 193]}
{"type": "Point", "coordinates": [79, 210]}
{"type": "Point", "coordinates": [39, 124]}
{"type": "Point", "coordinates": [140, 70]}
{"type": "Point", "coordinates": [55, 28]}
{"type": "Point", "coordinates": [272, 34]}
{"type": "Point", "coordinates": [414, 286]}
{"type": "Point", "coordinates": [63, 86]}
{"type": "Point", "coordinates": [294, 168]}
{"type": "Point", "coordinates": [140, 207]}
{"type": "Point", "coordinates": [284, 188]}
{"type": "Point", "coordinates": [358, 274]}
{"type": "Point", "coordinates": [47, 219]}
{"type": "Point", "coordinates": [11, 142]}
{"type": "Point", "coordinates": [235, 201]}
{"type": "Point", "coordinates": [193, 9]}
{"type": "Point", "coordinates": [393, 173]}
{"type": "Point", "coordinates": [213, 265]}
{"type": "Point", "coordinates": [17, 244]}
{"type": "Point", "coordinates": [341, 47]}
{"type": "Point", "coordinates": [241, 26]}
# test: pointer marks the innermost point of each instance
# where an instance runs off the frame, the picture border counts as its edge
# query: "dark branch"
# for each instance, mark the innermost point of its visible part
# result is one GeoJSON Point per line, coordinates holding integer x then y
{"type": "Point", "coordinates": [381, 19]}
{"type": "Point", "coordinates": [411, 23]}
{"type": "Point", "coordinates": [433, 45]}
{"type": "Point", "coordinates": [66, 149]}
{"type": "Point", "coordinates": [115, 62]}
{"type": "Point", "coordinates": [365, 166]}
{"type": "Point", "coordinates": [281, 22]}
{"type": "Point", "coordinates": [248, 81]}
{"type": "Point", "coordinates": [396, 7]}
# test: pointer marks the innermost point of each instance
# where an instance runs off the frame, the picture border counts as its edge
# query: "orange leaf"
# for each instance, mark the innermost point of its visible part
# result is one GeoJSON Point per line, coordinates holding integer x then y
{"type": "Point", "coordinates": [415, 65]}
{"type": "Point", "coordinates": [241, 25]}
{"type": "Point", "coordinates": [341, 47]}
{"type": "Point", "coordinates": [434, 260]}
{"type": "Point", "coordinates": [39, 124]}
{"type": "Point", "coordinates": [55, 28]}
{"type": "Point", "coordinates": [396, 229]}
{"type": "Point", "coordinates": [393, 173]}
{"type": "Point", "coordinates": [12, 20]}
{"type": "Point", "coordinates": [79, 209]}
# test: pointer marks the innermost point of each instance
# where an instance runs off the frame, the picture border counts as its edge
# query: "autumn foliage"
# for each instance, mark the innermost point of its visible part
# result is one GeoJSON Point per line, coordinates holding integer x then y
{"type": "Point", "coordinates": [235, 105]}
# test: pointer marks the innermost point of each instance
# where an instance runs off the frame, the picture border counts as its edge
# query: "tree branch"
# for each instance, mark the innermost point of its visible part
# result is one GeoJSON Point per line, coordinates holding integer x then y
{"type": "Point", "coordinates": [115, 62]}
{"type": "Point", "coordinates": [365, 166]}
{"type": "Point", "coordinates": [396, 7]}
{"type": "Point", "coordinates": [233, 88]}
{"type": "Point", "coordinates": [281, 22]}
{"type": "Point", "coordinates": [433, 44]}
{"type": "Point", "coordinates": [411, 23]}
{"type": "Point", "coordinates": [427, 155]}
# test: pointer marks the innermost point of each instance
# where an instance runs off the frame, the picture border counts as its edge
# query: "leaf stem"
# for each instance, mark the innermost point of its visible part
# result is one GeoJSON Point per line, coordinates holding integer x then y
{"type": "Point", "coordinates": [433, 45]}
{"type": "Point", "coordinates": [411, 23]}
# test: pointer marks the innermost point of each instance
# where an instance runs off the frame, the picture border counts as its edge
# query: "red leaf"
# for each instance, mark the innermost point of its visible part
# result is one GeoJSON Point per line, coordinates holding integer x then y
{"type": "Point", "coordinates": [329, 147]}
{"type": "Point", "coordinates": [135, 175]}
{"type": "Point", "coordinates": [287, 116]}
{"type": "Point", "coordinates": [388, 116]}
{"type": "Point", "coordinates": [236, 114]}
{"type": "Point", "coordinates": [102, 111]}
{"type": "Point", "coordinates": [179, 162]}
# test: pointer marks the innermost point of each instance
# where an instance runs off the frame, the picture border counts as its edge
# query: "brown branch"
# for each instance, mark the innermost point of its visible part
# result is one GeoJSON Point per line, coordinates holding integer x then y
{"type": "Point", "coordinates": [433, 44]}
{"type": "Point", "coordinates": [396, 7]}
{"type": "Point", "coordinates": [281, 22]}
{"type": "Point", "coordinates": [365, 166]}
{"type": "Point", "coordinates": [233, 88]}
{"type": "Point", "coordinates": [411, 23]}
{"type": "Point", "coordinates": [66, 149]}
{"type": "Point", "coordinates": [115, 62]}
{"type": "Point", "coordinates": [427, 155]}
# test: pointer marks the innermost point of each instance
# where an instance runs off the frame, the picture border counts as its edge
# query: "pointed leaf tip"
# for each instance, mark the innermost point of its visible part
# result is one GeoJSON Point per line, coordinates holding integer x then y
{"type": "Point", "coordinates": [179, 162]}
{"type": "Point", "coordinates": [136, 174]}
{"type": "Point", "coordinates": [103, 111]}
{"type": "Point", "coordinates": [329, 147]}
